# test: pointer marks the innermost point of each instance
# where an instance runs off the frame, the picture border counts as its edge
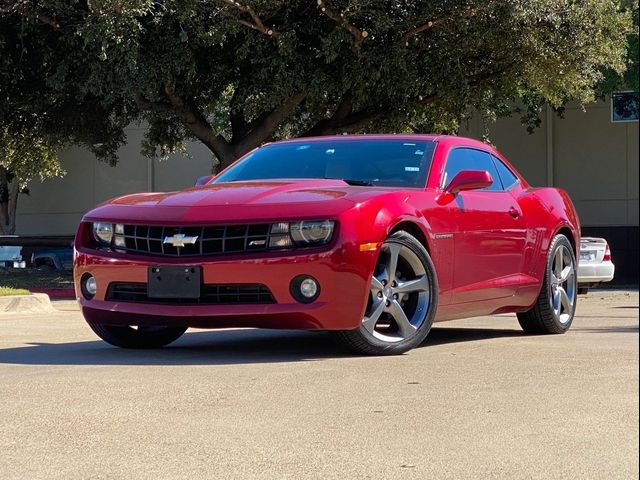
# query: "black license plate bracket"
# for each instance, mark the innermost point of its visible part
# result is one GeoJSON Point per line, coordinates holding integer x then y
{"type": "Point", "coordinates": [174, 281]}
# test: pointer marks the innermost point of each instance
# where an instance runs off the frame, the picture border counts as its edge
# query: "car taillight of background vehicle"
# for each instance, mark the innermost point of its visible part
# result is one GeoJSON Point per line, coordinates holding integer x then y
{"type": "Point", "coordinates": [607, 254]}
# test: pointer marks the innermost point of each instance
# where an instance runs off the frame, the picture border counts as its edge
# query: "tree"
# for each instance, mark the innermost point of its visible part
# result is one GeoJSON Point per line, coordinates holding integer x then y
{"type": "Point", "coordinates": [236, 73]}
{"type": "Point", "coordinates": [25, 153]}
{"type": "Point", "coordinates": [630, 78]}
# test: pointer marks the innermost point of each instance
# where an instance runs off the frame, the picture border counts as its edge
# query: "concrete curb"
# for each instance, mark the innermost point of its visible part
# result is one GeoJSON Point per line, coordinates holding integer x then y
{"type": "Point", "coordinates": [34, 303]}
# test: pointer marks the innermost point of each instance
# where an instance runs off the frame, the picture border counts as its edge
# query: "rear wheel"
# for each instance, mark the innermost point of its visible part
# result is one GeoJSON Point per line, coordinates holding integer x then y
{"type": "Point", "coordinates": [402, 300]}
{"type": "Point", "coordinates": [138, 337]}
{"type": "Point", "coordinates": [556, 304]}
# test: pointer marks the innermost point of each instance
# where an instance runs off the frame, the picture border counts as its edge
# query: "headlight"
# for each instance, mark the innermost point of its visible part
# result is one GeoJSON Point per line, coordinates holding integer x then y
{"type": "Point", "coordinates": [312, 232]}
{"type": "Point", "coordinates": [103, 232]}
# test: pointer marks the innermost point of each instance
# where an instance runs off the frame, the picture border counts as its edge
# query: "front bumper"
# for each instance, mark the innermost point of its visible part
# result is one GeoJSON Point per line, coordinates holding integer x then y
{"type": "Point", "coordinates": [595, 273]}
{"type": "Point", "coordinates": [343, 272]}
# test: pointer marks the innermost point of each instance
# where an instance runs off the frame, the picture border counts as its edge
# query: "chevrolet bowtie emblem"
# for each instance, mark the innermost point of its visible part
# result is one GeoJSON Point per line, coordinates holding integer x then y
{"type": "Point", "coordinates": [180, 240]}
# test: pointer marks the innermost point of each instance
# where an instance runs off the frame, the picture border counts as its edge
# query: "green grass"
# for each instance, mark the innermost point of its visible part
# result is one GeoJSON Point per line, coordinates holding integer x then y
{"type": "Point", "coordinates": [30, 278]}
{"type": "Point", "coordinates": [6, 291]}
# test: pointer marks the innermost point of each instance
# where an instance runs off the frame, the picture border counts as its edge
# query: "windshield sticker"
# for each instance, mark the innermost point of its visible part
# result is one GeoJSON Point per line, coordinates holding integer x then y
{"type": "Point", "coordinates": [330, 151]}
{"type": "Point", "coordinates": [303, 147]}
{"type": "Point", "coordinates": [411, 169]}
{"type": "Point", "coordinates": [419, 152]}
{"type": "Point", "coordinates": [409, 144]}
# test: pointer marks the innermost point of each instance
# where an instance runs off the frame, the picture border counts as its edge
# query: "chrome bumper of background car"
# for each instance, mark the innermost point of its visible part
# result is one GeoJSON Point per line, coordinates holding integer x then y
{"type": "Point", "coordinates": [596, 273]}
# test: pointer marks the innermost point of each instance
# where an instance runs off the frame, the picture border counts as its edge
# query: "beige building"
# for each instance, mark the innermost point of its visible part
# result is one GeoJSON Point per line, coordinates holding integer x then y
{"type": "Point", "coordinates": [586, 153]}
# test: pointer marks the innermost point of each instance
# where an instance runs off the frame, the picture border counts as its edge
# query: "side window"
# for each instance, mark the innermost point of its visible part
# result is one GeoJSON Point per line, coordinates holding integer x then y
{"type": "Point", "coordinates": [469, 159]}
{"type": "Point", "coordinates": [506, 176]}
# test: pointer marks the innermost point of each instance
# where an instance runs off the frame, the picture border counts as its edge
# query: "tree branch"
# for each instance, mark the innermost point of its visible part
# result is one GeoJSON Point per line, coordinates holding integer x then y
{"type": "Point", "coordinates": [14, 7]}
{"type": "Point", "coordinates": [10, 8]}
{"type": "Point", "coordinates": [256, 22]}
{"type": "Point", "coordinates": [267, 124]}
{"type": "Point", "coordinates": [199, 126]}
{"type": "Point", "coordinates": [434, 23]}
{"type": "Point", "coordinates": [349, 124]}
{"type": "Point", "coordinates": [144, 104]}
{"type": "Point", "coordinates": [239, 125]}
{"type": "Point", "coordinates": [358, 35]}
{"type": "Point", "coordinates": [428, 100]}
{"type": "Point", "coordinates": [358, 120]}
{"type": "Point", "coordinates": [499, 68]}
{"type": "Point", "coordinates": [344, 108]}
{"type": "Point", "coordinates": [52, 22]}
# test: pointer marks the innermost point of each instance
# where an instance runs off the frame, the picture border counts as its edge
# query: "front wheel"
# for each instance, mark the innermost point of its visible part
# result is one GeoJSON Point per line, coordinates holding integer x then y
{"type": "Point", "coordinates": [137, 337]}
{"type": "Point", "coordinates": [402, 300]}
{"type": "Point", "coordinates": [556, 304]}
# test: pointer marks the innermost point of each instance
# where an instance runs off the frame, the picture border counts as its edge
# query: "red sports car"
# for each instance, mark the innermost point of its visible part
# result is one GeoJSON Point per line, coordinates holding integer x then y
{"type": "Point", "coordinates": [372, 237]}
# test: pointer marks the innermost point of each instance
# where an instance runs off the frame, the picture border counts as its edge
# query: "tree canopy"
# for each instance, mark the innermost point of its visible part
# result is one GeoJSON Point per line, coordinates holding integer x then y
{"type": "Point", "coordinates": [234, 74]}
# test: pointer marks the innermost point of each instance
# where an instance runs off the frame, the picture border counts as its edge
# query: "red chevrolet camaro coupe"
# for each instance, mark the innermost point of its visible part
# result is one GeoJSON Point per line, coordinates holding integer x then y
{"type": "Point", "coordinates": [371, 237]}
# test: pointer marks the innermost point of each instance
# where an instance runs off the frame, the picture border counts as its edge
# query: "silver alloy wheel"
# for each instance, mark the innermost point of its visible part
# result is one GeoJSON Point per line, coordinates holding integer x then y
{"type": "Point", "coordinates": [562, 279]}
{"type": "Point", "coordinates": [399, 298]}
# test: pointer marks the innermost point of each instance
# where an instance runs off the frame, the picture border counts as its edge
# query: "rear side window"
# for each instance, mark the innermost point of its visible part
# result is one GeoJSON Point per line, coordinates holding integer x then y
{"type": "Point", "coordinates": [507, 177]}
{"type": "Point", "coordinates": [469, 159]}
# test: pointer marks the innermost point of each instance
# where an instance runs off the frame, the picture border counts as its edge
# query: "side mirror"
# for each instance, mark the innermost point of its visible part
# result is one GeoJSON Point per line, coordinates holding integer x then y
{"type": "Point", "coordinates": [204, 180]}
{"type": "Point", "coordinates": [469, 180]}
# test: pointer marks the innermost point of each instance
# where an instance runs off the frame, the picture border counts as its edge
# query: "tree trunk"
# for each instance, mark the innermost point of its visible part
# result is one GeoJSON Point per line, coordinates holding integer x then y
{"type": "Point", "coordinates": [9, 190]}
{"type": "Point", "coordinates": [246, 135]}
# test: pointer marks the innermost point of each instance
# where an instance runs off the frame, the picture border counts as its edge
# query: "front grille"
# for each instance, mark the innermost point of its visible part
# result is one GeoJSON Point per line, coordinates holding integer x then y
{"type": "Point", "coordinates": [209, 294]}
{"type": "Point", "coordinates": [211, 240]}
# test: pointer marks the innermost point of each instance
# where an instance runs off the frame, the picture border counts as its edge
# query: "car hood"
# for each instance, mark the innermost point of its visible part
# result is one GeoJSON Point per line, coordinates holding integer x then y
{"type": "Point", "coordinates": [242, 193]}
{"type": "Point", "coordinates": [237, 201]}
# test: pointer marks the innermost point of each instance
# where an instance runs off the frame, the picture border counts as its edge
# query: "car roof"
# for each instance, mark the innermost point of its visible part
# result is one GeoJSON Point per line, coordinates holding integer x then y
{"type": "Point", "coordinates": [448, 139]}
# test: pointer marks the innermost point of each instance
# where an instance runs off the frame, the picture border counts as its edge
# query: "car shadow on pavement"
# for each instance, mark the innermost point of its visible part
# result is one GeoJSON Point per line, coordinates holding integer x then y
{"type": "Point", "coordinates": [222, 347]}
{"type": "Point", "coordinates": [611, 329]}
{"type": "Point", "coordinates": [443, 335]}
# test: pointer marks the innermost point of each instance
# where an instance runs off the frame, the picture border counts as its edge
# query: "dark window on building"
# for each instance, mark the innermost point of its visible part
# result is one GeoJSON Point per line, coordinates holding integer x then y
{"type": "Point", "coordinates": [625, 107]}
{"type": "Point", "coordinates": [468, 159]}
{"type": "Point", "coordinates": [507, 177]}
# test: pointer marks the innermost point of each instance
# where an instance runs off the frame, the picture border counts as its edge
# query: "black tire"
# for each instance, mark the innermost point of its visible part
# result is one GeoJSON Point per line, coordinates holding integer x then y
{"type": "Point", "coordinates": [363, 341]}
{"type": "Point", "coordinates": [140, 338]}
{"type": "Point", "coordinates": [542, 318]}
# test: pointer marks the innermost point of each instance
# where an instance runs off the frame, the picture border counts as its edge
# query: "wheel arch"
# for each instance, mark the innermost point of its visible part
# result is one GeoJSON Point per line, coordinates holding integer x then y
{"type": "Point", "coordinates": [412, 228]}
{"type": "Point", "coordinates": [383, 216]}
{"type": "Point", "coordinates": [568, 232]}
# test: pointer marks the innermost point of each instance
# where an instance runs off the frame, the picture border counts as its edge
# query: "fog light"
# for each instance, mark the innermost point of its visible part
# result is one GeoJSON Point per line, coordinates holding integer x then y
{"type": "Point", "coordinates": [305, 289]}
{"type": "Point", "coordinates": [89, 286]}
{"type": "Point", "coordinates": [308, 288]}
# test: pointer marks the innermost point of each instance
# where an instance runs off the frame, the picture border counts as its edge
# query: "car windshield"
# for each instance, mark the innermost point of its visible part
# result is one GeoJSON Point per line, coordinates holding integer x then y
{"type": "Point", "coordinates": [392, 163]}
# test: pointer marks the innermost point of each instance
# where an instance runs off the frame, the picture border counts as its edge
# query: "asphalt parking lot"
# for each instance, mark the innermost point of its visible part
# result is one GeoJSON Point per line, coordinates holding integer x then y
{"type": "Point", "coordinates": [479, 400]}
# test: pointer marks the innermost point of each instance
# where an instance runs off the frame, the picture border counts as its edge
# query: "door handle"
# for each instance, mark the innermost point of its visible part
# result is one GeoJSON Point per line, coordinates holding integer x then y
{"type": "Point", "coordinates": [513, 211]}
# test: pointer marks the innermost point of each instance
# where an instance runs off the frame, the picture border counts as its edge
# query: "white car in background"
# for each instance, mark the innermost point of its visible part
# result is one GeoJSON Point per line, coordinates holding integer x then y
{"type": "Point", "coordinates": [594, 265]}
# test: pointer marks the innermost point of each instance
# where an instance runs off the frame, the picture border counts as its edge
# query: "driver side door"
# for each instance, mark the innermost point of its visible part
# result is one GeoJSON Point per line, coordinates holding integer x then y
{"type": "Point", "coordinates": [490, 232]}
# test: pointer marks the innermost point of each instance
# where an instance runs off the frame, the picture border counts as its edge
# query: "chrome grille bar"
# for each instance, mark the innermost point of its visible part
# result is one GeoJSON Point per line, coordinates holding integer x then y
{"type": "Point", "coordinates": [211, 240]}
